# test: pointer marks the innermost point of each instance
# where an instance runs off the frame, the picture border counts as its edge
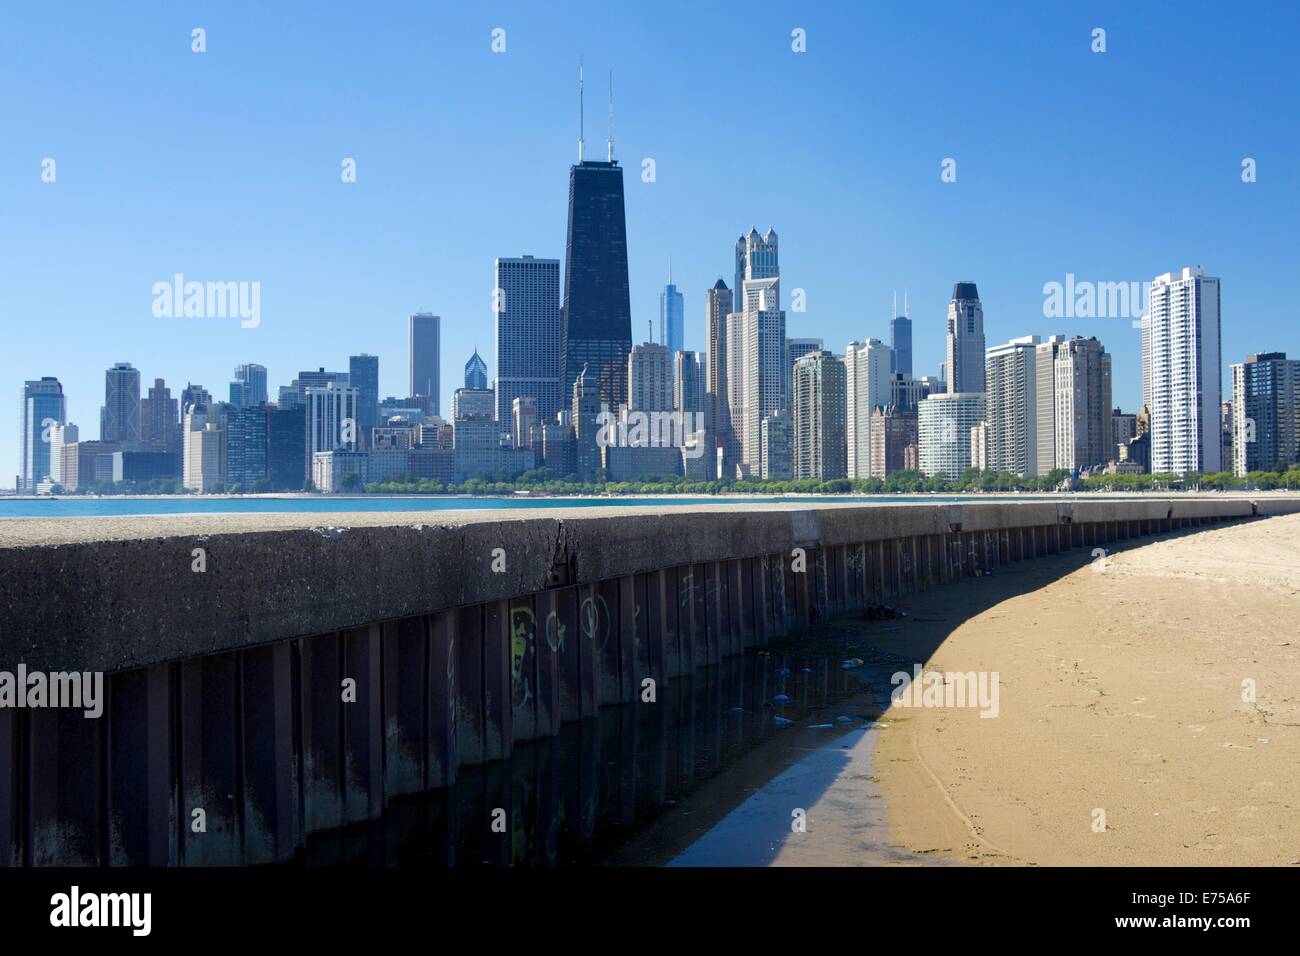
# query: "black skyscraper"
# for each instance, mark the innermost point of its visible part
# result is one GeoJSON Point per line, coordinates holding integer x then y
{"type": "Point", "coordinates": [596, 315]}
{"type": "Point", "coordinates": [900, 342]}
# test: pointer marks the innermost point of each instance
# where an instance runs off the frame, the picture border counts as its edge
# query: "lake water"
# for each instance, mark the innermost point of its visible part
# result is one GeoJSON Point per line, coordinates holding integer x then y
{"type": "Point", "coordinates": [124, 506]}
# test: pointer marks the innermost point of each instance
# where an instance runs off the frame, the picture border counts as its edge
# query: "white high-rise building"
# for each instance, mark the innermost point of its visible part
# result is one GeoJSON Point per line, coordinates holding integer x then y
{"type": "Point", "coordinates": [756, 348]}
{"type": "Point", "coordinates": [1012, 406]}
{"type": "Point", "coordinates": [195, 419]}
{"type": "Point", "coordinates": [205, 457]}
{"type": "Point", "coordinates": [763, 369]}
{"type": "Point", "coordinates": [331, 420]}
{"type": "Point", "coordinates": [650, 378]}
{"type": "Point", "coordinates": [60, 437]}
{"type": "Point", "coordinates": [944, 423]}
{"type": "Point", "coordinates": [1185, 385]}
{"type": "Point", "coordinates": [965, 352]}
{"type": "Point", "coordinates": [869, 385]}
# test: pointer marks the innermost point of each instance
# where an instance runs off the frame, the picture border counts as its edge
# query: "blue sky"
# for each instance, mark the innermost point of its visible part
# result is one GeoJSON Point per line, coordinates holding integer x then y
{"type": "Point", "coordinates": [224, 166]}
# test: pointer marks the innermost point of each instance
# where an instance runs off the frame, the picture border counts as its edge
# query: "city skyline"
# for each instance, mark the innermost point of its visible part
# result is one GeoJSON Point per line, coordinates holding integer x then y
{"type": "Point", "coordinates": [309, 320]}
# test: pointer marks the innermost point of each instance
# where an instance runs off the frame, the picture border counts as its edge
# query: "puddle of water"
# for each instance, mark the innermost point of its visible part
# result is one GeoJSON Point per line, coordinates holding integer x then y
{"type": "Point", "coordinates": [705, 775]}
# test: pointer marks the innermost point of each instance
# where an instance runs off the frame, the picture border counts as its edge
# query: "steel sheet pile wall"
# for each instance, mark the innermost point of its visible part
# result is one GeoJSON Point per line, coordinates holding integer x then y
{"type": "Point", "coordinates": [305, 679]}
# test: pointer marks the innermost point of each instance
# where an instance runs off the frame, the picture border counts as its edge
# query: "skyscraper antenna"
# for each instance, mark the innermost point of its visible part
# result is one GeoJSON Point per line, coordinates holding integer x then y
{"type": "Point", "coordinates": [895, 315]}
{"type": "Point", "coordinates": [609, 152]}
{"type": "Point", "coordinates": [906, 314]}
{"type": "Point", "coordinates": [580, 110]}
{"type": "Point", "coordinates": [670, 268]}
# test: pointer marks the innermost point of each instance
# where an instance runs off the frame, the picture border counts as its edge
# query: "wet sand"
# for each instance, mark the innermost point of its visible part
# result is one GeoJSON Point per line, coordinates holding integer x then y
{"type": "Point", "coordinates": [1121, 691]}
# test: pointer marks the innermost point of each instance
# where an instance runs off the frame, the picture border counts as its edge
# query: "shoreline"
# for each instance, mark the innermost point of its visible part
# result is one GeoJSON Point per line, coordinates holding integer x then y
{"type": "Point", "coordinates": [632, 496]}
{"type": "Point", "coordinates": [1122, 707]}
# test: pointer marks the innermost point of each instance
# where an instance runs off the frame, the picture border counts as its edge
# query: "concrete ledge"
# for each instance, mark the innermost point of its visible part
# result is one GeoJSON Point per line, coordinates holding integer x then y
{"type": "Point", "coordinates": [85, 595]}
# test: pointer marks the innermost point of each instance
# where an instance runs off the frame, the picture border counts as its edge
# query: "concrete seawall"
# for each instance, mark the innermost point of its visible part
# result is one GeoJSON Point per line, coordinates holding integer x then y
{"type": "Point", "coordinates": [289, 674]}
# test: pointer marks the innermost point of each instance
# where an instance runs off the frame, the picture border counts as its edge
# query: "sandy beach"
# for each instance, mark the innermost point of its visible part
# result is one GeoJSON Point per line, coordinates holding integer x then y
{"type": "Point", "coordinates": [1124, 701]}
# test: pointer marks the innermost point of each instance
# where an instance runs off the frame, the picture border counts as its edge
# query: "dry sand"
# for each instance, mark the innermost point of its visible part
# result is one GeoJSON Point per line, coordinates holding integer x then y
{"type": "Point", "coordinates": [1121, 690]}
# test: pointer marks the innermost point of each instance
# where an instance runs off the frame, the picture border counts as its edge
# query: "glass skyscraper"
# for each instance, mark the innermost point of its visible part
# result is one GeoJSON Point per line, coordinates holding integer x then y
{"type": "Point", "coordinates": [425, 344]}
{"type": "Point", "coordinates": [900, 344]}
{"type": "Point", "coordinates": [596, 314]}
{"type": "Point", "coordinates": [528, 335]}
{"type": "Point", "coordinates": [672, 319]}
{"type": "Point", "coordinates": [363, 375]}
{"type": "Point", "coordinates": [476, 372]}
{"type": "Point", "coordinates": [246, 445]}
{"type": "Point", "coordinates": [248, 386]}
{"type": "Point", "coordinates": [286, 455]}
{"type": "Point", "coordinates": [119, 419]}
{"type": "Point", "coordinates": [43, 406]}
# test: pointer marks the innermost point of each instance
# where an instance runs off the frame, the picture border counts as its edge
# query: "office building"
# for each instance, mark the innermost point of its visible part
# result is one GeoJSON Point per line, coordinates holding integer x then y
{"type": "Point", "coordinates": [286, 448]}
{"type": "Point", "coordinates": [528, 335]}
{"type": "Point", "coordinates": [719, 304]}
{"type": "Point", "coordinates": [650, 378]}
{"type": "Point", "coordinates": [248, 387]}
{"type": "Point", "coordinates": [964, 364]}
{"type": "Point", "coordinates": [424, 338]}
{"type": "Point", "coordinates": [476, 376]}
{"type": "Point", "coordinates": [205, 465]}
{"type": "Point", "coordinates": [193, 394]}
{"type": "Point", "coordinates": [119, 419]}
{"type": "Point", "coordinates": [87, 462]}
{"type": "Point", "coordinates": [524, 422]}
{"type": "Point", "coordinates": [585, 415]}
{"type": "Point", "coordinates": [596, 312]}
{"type": "Point", "coordinates": [331, 420]}
{"type": "Point", "coordinates": [61, 436]}
{"type": "Point", "coordinates": [160, 421]}
{"type": "Point", "coordinates": [247, 447]}
{"type": "Point", "coordinates": [900, 340]}
{"type": "Point", "coordinates": [475, 403]}
{"type": "Point", "coordinates": [43, 407]}
{"type": "Point", "coordinates": [363, 375]}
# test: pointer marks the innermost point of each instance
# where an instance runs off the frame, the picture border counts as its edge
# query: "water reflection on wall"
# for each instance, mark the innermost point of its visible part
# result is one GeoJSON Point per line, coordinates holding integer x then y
{"type": "Point", "coordinates": [571, 798]}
